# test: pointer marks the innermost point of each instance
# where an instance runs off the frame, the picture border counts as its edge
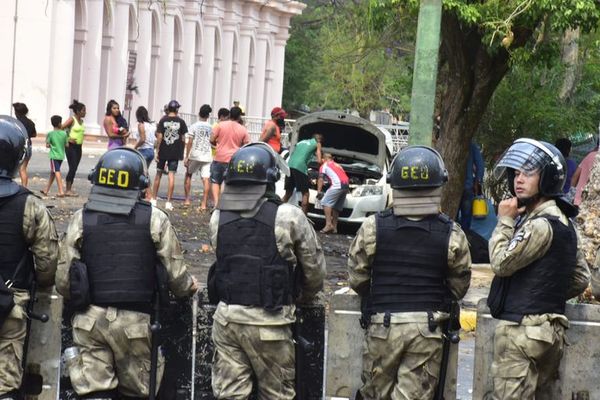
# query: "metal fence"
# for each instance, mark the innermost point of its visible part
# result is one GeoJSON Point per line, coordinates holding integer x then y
{"type": "Point", "coordinates": [255, 125]}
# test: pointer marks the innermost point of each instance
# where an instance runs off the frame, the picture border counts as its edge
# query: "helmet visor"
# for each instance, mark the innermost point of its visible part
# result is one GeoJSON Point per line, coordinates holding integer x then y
{"type": "Point", "coordinates": [525, 157]}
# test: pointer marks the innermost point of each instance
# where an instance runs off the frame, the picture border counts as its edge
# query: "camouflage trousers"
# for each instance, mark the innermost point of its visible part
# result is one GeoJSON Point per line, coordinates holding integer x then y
{"type": "Point", "coordinates": [526, 358]}
{"type": "Point", "coordinates": [12, 338]}
{"type": "Point", "coordinates": [401, 361]}
{"type": "Point", "coordinates": [244, 353]}
{"type": "Point", "coordinates": [114, 352]}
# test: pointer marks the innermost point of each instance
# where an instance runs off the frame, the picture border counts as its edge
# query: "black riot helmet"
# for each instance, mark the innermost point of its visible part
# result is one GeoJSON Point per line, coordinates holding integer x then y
{"type": "Point", "coordinates": [254, 163]}
{"type": "Point", "coordinates": [121, 168]}
{"type": "Point", "coordinates": [13, 142]}
{"type": "Point", "coordinates": [530, 156]}
{"type": "Point", "coordinates": [417, 167]}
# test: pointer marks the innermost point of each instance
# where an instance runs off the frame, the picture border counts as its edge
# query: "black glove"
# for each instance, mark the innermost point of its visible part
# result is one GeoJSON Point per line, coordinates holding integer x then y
{"type": "Point", "coordinates": [320, 195]}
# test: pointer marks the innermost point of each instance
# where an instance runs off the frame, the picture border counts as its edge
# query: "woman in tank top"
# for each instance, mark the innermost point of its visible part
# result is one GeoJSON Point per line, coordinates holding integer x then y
{"type": "Point", "coordinates": [146, 138]}
{"type": "Point", "coordinates": [115, 126]}
{"type": "Point", "coordinates": [76, 130]}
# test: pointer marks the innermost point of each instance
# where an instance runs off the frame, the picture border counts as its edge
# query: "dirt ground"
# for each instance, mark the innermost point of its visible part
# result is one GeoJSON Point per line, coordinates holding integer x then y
{"type": "Point", "coordinates": [193, 231]}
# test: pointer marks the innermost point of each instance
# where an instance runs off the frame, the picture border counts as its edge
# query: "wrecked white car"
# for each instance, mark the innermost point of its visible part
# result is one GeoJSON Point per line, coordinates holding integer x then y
{"type": "Point", "coordinates": [361, 148]}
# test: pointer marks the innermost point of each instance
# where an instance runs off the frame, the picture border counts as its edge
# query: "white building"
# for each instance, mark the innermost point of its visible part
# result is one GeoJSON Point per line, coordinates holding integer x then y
{"type": "Point", "coordinates": [195, 51]}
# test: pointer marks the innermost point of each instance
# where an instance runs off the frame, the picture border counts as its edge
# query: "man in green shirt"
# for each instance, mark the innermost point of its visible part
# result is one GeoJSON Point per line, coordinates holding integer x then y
{"type": "Point", "coordinates": [298, 163]}
{"type": "Point", "coordinates": [56, 141]}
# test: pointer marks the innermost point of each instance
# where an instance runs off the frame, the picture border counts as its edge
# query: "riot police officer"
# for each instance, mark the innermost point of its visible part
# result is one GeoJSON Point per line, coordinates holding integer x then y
{"type": "Point", "coordinates": [26, 230]}
{"type": "Point", "coordinates": [408, 263]}
{"type": "Point", "coordinates": [537, 266]}
{"type": "Point", "coordinates": [120, 239]}
{"type": "Point", "coordinates": [261, 246]}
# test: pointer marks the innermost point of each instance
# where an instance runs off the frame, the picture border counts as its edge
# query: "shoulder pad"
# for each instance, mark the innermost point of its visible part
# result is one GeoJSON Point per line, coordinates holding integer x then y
{"type": "Point", "coordinates": [385, 213]}
{"type": "Point", "coordinates": [445, 219]}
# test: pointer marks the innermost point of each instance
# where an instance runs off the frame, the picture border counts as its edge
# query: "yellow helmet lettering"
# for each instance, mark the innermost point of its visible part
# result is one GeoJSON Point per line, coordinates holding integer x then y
{"type": "Point", "coordinates": [241, 165]}
{"type": "Point", "coordinates": [102, 175]}
{"type": "Point", "coordinates": [123, 179]}
{"type": "Point", "coordinates": [110, 178]}
{"type": "Point", "coordinates": [404, 172]}
{"type": "Point", "coordinates": [414, 172]}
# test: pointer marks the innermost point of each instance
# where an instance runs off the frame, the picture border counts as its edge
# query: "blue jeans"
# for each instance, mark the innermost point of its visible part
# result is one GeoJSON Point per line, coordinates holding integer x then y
{"type": "Point", "coordinates": [148, 155]}
{"type": "Point", "coordinates": [466, 208]}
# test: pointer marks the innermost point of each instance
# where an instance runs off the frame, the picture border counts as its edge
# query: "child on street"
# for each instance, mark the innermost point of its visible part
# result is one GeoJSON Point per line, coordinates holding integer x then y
{"type": "Point", "coordinates": [56, 141]}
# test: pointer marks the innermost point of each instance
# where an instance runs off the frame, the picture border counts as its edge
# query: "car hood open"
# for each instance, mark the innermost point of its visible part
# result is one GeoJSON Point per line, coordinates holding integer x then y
{"type": "Point", "coordinates": [343, 134]}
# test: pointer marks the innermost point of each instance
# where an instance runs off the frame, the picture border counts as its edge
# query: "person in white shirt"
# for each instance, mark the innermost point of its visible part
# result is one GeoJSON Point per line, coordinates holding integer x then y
{"type": "Point", "coordinates": [146, 137]}
{"type": "Point", "coordinates": [198, 156]}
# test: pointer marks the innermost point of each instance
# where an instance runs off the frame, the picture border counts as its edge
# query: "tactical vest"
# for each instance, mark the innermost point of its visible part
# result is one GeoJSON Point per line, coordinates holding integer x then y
{"type": "Point", "coordinates": [120, 257]}
{"type": "Point", "coordinates": [13, 248]}
{"type": "Point", "coordinates": [542, 286]}
{"type": "Point", "coordinates": [410, 266]}
{"type": "Point", "coordinates": [249, 270]}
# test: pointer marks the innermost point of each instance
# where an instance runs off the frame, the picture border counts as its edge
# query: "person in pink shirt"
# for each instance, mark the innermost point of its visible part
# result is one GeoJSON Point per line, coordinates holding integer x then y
{"type": "Point", "coordinates": [582, 175]}
{"type": "Point", "coordinates": [333, 199]}
{"type": "Point", "coordinates": [228, 136]}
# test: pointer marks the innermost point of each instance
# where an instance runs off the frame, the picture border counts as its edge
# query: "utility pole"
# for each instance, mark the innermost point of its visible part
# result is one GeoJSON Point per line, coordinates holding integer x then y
{"type": "Point", "coordinates": [425, 72]}
{"type": "Point", "coordinates": [14, 52]}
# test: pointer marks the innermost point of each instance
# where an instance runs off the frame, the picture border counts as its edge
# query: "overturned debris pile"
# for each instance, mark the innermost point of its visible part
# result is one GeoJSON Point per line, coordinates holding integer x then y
{"type": "Point", "coordinates": [588, 224]}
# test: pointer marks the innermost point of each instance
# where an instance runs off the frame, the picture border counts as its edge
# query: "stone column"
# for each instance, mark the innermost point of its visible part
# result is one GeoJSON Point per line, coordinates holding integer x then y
{"type": "Point", "coordinates": [257, 91]}
{"type": "Point", "coordinates": [224, 77]}
{"type": "Point", "coordinates": [206, 78]}
{"type": "Point", "coordinates": [117, 74]}
{"type": "Point", "coordinates": [240, 88]}
{"type": "Point", "coordinates": [185, 86]}
{"type": "Point", "coordinates": [62, 43]}
{"type": "Point", "coordinates": [276, 92]}
{"type": "Point", "coordinates": [142, 65]}
{"type": "Point", "coordinates": [90, 73]}
{"type": "Point", "coordinates": [164, 77]}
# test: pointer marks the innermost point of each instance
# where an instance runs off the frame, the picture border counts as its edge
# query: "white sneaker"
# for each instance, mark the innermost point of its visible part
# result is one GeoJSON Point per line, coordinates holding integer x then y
{"type": "Point", "coordinates": [168, 206]}
{"type": "Point", "coordinates": [153, 202]}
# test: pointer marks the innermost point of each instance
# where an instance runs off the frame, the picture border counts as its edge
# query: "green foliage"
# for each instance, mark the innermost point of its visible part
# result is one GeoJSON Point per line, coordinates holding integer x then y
{"type": "Point", "coordinates": [526, 104]}
{"type": "Point", "coordinates": [352, 59]}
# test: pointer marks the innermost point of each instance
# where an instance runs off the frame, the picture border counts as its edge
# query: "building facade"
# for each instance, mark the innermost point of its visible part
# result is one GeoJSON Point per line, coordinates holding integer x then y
{"type": "Point", "coordinates": [142, 52]}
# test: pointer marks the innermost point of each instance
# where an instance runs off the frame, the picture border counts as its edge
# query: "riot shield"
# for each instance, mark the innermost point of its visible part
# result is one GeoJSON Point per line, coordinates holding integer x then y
{"type": "Point", "coordinates": [42, 368]}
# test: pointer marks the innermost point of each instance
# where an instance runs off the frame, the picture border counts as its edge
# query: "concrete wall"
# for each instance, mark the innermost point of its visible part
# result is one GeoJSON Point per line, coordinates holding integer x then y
{"type": "Point", "coordinates": [578, 370]}
{"type": "Point", "coordinates": [345, 347]}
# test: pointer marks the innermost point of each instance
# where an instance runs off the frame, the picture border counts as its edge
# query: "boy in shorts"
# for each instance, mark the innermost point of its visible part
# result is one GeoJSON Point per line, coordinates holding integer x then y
{"type": "Point", "coordinates": [56, 141]}
{"type": "Point", "coordinates": [170, 133]}
{"type": "Point", "coordinates": [198, 155]}
{"type": "Point", "coordinates": [333, 199]}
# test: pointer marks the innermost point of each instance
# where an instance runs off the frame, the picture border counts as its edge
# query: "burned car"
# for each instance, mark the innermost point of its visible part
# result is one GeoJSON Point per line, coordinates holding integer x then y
{"type": "Point", "coordinates": [361, 148]}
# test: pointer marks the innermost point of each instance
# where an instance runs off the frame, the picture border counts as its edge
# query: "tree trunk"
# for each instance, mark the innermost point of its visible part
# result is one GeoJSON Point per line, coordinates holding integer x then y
{"type": "Point", "coordinates": [570, 59]}
{"type": "Point", "coordinates": [473, 75]}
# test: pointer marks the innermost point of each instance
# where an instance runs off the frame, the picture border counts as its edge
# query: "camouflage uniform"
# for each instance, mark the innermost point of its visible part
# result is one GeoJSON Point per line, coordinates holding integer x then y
{"type": "Point", "coordinates": [40, 233]}
{"type": "Point", "coordinates": [250, 341]}
{"type": "Point", "coordinates": [402, 361]}
{"type": "Point", "coordinates": [527, 355]}
{"type": "Point", "coordinates": [114, 344]}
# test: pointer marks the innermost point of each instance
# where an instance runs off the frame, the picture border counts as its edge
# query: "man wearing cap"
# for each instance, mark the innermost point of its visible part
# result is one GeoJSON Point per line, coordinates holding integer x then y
{"type": "Point", "coordinates": [170, 142]}
{"type": "Point", "coordinates": [228, 136]}
{"type": "Point", "coordinates": [538, 267]}
{"type": "Point", "coordinates": [268, 260]}
{"type": "Point", "coordinates": [271, 133]}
